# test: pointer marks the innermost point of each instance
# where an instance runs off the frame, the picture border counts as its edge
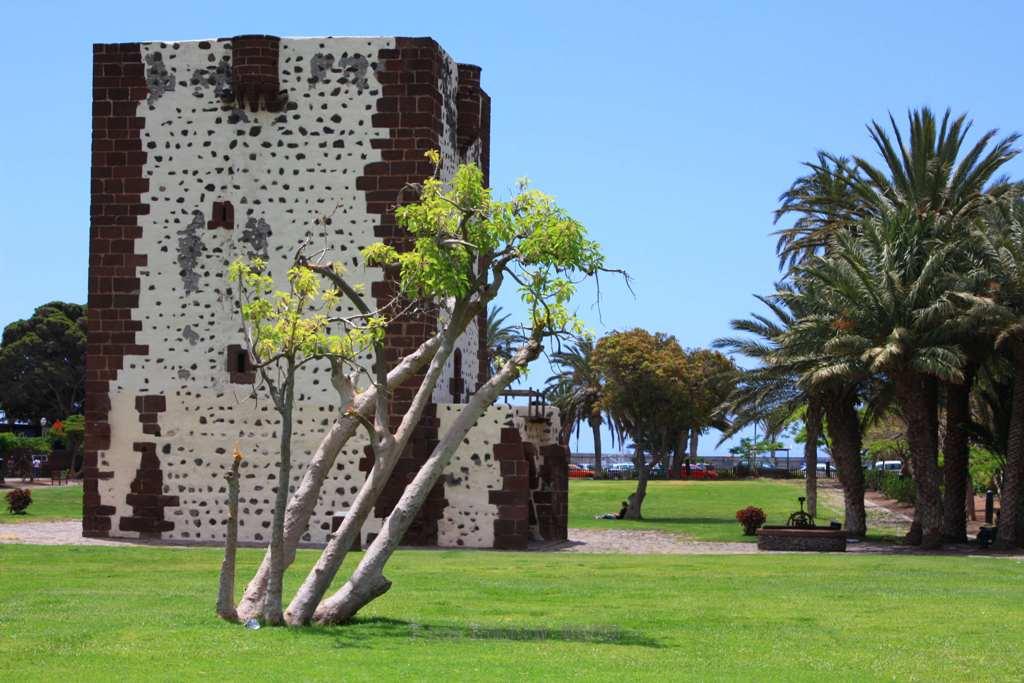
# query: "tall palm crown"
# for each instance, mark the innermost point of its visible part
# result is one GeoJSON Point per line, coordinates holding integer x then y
{"type": "Point", "coordinates": [770, 391]}
{"type": "Point", "coordinates": [923, 173]}
{"type": "Point", "coordinates": [576, 388]}
{"type": "Point", "coordinates": [883, 302]}
{"type": "Point", "coordinates": [501, 339]}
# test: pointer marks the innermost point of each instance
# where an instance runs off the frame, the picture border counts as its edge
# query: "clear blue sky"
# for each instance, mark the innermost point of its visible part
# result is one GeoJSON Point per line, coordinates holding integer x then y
{"type": "Point", "coordinates": [668, 128]}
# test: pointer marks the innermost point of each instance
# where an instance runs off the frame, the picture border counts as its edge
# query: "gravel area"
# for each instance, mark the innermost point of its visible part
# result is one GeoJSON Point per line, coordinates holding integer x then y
{"type": "Point", "coordinates": [625, 541]}
{"type": "Point", "coordinates": [632, 542]}
{"type": "Point", "coordinates": [55, 533]}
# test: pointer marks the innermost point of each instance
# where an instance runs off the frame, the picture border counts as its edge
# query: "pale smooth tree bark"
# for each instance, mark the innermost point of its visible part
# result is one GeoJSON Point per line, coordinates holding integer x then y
{"type": "Point", "coordinates": [285, 398]}
{"type": "Point", "coordinates": [387, 449]}
{"type": "Point", "coordinates": [367, 581]}
{"type": "Point", "coordinates": [303, 501]}
{"type": "Point", "coordinates": [226, 593]}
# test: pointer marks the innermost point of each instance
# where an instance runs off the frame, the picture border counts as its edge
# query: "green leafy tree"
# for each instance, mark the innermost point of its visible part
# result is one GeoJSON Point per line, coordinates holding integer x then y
{"type": "Point", "coordinates": [42, 364]}
{"type": "Point", "coordinates": [710, 379]}
{"type": "Point", "coordinates": [464, 246]}
{"type": "Point", "coordinates": [644, 386]}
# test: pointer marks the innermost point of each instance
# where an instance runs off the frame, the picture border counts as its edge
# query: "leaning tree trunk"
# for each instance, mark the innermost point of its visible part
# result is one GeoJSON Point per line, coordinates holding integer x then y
{"type": "Point", "coordinates": [636, 499]}
{"type": "Point", "coordinates": [1008, 532]}
{"type": "Point", "coordinates": [844, 431]}
{"type": "Point", "coordinates": [318, 580]}
{"type": "Point", "coordinates": [595, 426]}
{"type": "Point", "coordinates": [368, 581]}
{"type": "Point", "coordinates": [226, 594]}
{"type": "Point", "coordinates": [956, 458]}
{"type": "Point", "coordinates": [303, 501]}
{"type": "Point", "coordinates": [812, 422]}
{"type": "Point", "coordinates": [272, 612]}
{"type": "Point", "coordinates": [918, 401]}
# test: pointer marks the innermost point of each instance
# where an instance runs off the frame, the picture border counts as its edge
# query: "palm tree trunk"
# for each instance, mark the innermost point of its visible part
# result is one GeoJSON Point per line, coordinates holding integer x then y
{"type": "Point", "coordinates": [956, 458]}
{"type": "Point", "coordinates": [918, 400]}
{"type": "Point", "coordinates": [844, 431]}
{"type": "Point", "coordinates": [1008, 533]}
{"type": "Point", "coordinates": [595, 426]}
{"type": "Point", "coordinates": [812, 421]}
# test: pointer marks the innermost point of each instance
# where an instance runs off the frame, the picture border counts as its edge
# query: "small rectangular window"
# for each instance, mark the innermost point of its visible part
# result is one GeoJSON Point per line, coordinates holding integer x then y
{"type": "Point", "coordinates": [240, 366]}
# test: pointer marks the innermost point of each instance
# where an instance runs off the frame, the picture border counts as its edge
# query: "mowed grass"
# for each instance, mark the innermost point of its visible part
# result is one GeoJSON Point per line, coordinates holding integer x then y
{"type": "Point", "coordinates": [99, 613]}
{"type": "Point", "coordinates": [704, 511]}
{"type": "Point", "coordinates": [48, 504]}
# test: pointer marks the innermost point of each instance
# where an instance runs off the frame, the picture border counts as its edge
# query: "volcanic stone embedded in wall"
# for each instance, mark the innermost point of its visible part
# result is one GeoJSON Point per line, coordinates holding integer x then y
{"type": "Point", "coordinates": [190, 248]}
{"type": "Point", "coordinates": [158, 78]}
{"type": "Point", "coordinates": [257, 235]}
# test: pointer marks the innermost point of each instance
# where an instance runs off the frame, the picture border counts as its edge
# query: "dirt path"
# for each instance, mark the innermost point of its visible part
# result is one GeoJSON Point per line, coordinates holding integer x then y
{"type": "Point", "coordinates": [632, 542]}
{"type": "Point", "coordinates": [55, 533]}
{"type": "Point", "coordinates": [600, 541]}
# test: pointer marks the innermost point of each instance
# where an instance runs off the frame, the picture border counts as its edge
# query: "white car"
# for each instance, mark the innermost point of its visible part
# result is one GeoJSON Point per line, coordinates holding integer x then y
{"type": "Point", "coordinates": [821, 468]}
{"type": "Point", "coordinates": [888, 465]}
{"type": "Point", "coordinates": [620, 470]}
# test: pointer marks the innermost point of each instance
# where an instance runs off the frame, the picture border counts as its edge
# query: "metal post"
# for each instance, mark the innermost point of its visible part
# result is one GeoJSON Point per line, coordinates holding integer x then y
{"type": "Point", "coordinates": [990, 500]}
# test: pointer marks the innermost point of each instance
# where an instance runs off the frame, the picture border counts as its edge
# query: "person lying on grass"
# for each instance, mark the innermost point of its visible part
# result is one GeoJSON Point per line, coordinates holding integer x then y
{"type": "Point", "coordinates": [620, 515]}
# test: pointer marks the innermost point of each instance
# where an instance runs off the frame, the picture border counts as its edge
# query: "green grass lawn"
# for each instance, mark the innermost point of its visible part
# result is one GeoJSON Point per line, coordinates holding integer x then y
{"type": "Point", "coordinates": [97, 613]}
{"type": "Point", "coordinates": [48, 504]}
{"type": "Point", "coordinates": [704, 511]}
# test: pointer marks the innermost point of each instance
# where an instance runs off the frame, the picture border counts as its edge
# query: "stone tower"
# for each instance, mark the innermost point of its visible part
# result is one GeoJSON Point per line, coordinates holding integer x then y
{"type": "Point", "coordinates": [208, 151]}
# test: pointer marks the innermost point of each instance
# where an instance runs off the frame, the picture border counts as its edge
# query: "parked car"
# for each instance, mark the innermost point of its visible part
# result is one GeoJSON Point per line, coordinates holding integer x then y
{"type": "Point", "coordinates": [577, 472]}
{"type": "Point", "coordinates": [887, 465]}
{"type": "Point", "coordinates": [621, 470]}
{"type": "Point", "coordinates": [700, 471]}
{"type": "Point", "coordinates": [821, 467]}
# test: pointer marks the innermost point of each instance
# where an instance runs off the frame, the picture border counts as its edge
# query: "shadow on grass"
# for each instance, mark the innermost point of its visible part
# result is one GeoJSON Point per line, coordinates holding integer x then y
{"type": "Point", "coordinates": [361, 630]}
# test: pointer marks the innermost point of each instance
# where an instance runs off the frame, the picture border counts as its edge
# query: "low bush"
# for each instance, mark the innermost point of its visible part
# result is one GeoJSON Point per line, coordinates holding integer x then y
{"type": "Point", "coordinates": [751, 518]}
{"type": "Point", "coordinates": [18, 501]}
{"type": "Point", "coordinates": [891, 485]}
{"type": "Point", "coordinates": [726, 475]}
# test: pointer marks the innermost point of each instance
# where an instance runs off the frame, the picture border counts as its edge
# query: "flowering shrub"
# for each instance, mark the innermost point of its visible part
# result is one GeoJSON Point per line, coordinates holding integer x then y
{"type": "Point", "coordinates": [18, 500]}
{"type": "Point", "coordinates": [751, 518]}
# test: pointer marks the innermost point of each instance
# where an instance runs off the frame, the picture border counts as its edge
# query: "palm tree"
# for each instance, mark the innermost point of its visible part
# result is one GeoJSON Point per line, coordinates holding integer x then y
{"type": "Point", "coordinates": [795, 372]}
{"type": "Point", "coordinates": [926, 176]}
{"type": "Point", "coordinates": [576, 391]}
{"type": "Point", "coordinates": [1001, 239]}
{"type": "Point", "coordinates": [501, 339]}
{"type": "Point", "coordinates": [885, 299]}
{"type": "Point", "coordinates": [932, 177]}
{"type": "Point", "coordinates": [825, 205]}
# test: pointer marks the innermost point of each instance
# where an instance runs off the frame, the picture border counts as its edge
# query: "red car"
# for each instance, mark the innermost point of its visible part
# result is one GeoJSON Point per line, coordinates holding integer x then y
{"type": "Point", "coordinates": [577, 472]}
{"type": "Point", "coordinates": [699, 471]}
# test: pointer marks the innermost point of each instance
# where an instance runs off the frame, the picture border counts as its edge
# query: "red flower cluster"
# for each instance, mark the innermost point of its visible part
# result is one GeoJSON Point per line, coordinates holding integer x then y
{"type": "Point", "coordinates": [751, 518]}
